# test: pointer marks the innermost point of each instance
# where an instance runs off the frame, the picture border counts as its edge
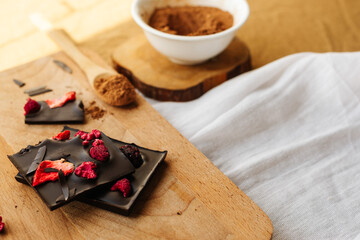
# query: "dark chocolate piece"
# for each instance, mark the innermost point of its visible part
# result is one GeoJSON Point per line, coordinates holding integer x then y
{"type": "Point", "coordinates": [36, 91]}
{"type": "Point", "coordinates": [116, 167]}
{"type": "Point", "coordinates": [18, 82]}
{"type": "Point", "coordinates": [64, 186]}
{"type": "Point", "coordinates": [114, 201]}
{"type": "Point", "coordinates": [63, 66]}
{"type": "Point", "coordinates": [71, 112]}
{"type": "Point", "coordinates": [38, 159]}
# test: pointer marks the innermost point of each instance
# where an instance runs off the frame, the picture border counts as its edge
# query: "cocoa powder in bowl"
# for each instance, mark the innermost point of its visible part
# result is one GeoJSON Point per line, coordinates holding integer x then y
{"type": "Point", "coordinates": [191, 20]}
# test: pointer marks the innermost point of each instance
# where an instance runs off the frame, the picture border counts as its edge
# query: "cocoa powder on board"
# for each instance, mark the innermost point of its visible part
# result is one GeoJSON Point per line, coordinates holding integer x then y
{"type": "Point", "coordinates": [95, 111]}
{"type": "Point", "coordinates": [191, 20]}
{"type": "Point", "coordinates": [115, 89]}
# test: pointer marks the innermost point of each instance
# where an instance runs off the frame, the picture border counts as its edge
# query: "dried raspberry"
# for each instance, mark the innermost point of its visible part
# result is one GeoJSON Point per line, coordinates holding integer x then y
{"type": "Point", "coordinates": [85, 143]}
{"type": "Point", "coordinates": [86, 170]}
{"type": "Point", "coordinates": [79, 133]}
{"type": "Point", "coordinates": [41, 176]}
{"type": "Point", "coordinates": [65, 135]}
{"type": "Point", "coordinates": [133, 154]}
{"type": "Point", "coordinates": [90, 136]}
{"type": "Point", "coordinates": [31, 106]}
{"type": "Point", "coordinates": [2, 225]}
{"type": "Point", "coordinates": [83, 136]}
{"type": "Point", "coordinates": [59, 102]}
{"type": "Point", "coordinates": [99, 152]}
{"type": "Point", "coordinates": [98, 142]}
{"type": "Point", "coordinates": [123, 185]}
{"type": "Point", "coordinates": [96, 133]}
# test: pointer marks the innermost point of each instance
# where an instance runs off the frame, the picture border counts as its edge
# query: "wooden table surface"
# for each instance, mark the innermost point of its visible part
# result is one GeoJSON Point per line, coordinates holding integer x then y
{"type": "Point", "coordinates": [274, 29]}
{"type": "Point", "coordinates": [189, 197]}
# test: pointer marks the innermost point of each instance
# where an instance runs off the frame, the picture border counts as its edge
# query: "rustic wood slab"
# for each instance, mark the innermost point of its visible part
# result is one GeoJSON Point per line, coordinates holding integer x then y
{"type": "Point", "coordinates": [159, 78]}
{"type": "Point", "coordinates": [188, 198]}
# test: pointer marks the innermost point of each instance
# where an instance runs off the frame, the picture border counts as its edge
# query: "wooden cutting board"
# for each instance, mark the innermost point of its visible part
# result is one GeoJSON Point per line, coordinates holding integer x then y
{"type": "Point", "coordinates": [188, 198]}
{"type": "Point", "coordinates": [157, 77]}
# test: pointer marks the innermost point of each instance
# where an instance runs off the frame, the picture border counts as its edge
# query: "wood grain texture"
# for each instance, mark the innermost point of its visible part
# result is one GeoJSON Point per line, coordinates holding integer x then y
{"type": "Point", "coordinates": [188, 198]}
{"type": "Point", "coordinates": [274, 29]}
{"type": "Point", "coordinates": [157, 77]}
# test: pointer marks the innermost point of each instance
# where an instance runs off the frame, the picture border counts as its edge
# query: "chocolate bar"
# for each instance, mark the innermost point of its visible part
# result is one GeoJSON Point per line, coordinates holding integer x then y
{"type": "Point", "coordinates": [71, 112]}
{"type": "Point", "coordinates": [113, 201]}
{"type": "Point", "coordinates": [54, 193]}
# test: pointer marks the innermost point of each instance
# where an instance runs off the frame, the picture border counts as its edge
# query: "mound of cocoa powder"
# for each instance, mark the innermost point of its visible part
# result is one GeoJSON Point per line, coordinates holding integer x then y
{"type": "Point", "coordinates": [115, 89]}
{"type": "Point", "coordinates": [191, 20]}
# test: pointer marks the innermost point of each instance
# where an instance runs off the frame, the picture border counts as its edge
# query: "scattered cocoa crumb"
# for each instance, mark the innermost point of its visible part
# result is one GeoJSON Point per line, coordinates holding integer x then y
{"type": "Point", "coordinates": [179, 213]}
{"type": "Point", "coordinates": [115, 89]}
{"type": "Point", "coordinates": [95, 111]}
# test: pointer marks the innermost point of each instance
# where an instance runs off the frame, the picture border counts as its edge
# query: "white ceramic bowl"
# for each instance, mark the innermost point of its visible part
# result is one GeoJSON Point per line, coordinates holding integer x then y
{"type": "Point", "coordinates": [189, 50]}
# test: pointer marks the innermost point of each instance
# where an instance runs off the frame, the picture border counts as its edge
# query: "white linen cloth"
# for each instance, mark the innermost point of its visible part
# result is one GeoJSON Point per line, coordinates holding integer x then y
{"type": "Point", "coordinates": [288, 134]}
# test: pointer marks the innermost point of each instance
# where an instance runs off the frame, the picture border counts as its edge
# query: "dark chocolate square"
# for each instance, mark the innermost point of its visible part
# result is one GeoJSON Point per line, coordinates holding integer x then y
{"type": "Point", "coordinates": [114, 201]}
{"type": "Point", "coordinates": [71, 112]}
{"type": "Point", "coordinates": [50, 192]}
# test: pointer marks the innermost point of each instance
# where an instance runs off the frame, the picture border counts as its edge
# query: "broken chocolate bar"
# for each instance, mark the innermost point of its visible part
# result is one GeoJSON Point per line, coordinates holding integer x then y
{"type": "Point", "coordinates": [55, 193]}
{"type": "Point", "coordinates": [71, 112]}
{"type": "Point", "coordinates": [114, 201]}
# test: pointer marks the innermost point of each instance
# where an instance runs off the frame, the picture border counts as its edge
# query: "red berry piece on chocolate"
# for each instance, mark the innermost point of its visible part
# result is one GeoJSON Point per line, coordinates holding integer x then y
{"type": "Point", "coordinates": [31, 106]}
{"type": "Point", "coordinates": [122, 185]}
{"type": "Point", "coordinates": [79, 133]}
{"type": "Point", "coordinates": [133, 154]}
{"type": "Point", "coordinates": [86, 170]}
{"type": "Point", "coordinates": [83, 136]}
{"type": "Point", "coordinates": [90, 136]}
{"type": "Point", "coordinates": [98, 142]}
{"type": "Point", "coordinates": [85, 143]}
{"type": "Point", "coordinates": [96, 133]}
{"type": "Point", "coordinates": [65, 135]}
{"type": "Point", "coordinates": [41, 176]}
{"type": "Point", "coordinates": [2, 225]}
{"type": "Point", "coordinates": [59, 102]}
{"type": "Point", "coordinates": [99, 152]}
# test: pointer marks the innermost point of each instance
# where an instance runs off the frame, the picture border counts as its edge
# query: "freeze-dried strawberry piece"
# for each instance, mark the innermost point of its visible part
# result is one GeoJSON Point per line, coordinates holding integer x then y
{"type": "Point", "coordinates": [123, 185]}
{"type": "Point", "coordinates": [59, 102]}
{"type": "Point", "coordinates": [86, 170]}
{"type": "Point", "coordinates": [41, 176]}
{"type": "Point", "coordinates": [85, 143]}
{"type": "Point", "coordinates": [31, 106]}
{"type": "Point", "coordinates": [96, 133]}
{"type": "Point", "coordinates": [133, 154]}
{"type": "Point", "coordinates": [2, 225]}
{"type": "Point", "coordinates": [65, 135]}
{"type": "Point", "coordinates": [99, 151]}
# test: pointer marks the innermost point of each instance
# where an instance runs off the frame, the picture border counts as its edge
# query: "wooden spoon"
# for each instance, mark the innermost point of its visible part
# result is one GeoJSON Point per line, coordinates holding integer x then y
{"type": "Point", "coordinates": [113, 88]}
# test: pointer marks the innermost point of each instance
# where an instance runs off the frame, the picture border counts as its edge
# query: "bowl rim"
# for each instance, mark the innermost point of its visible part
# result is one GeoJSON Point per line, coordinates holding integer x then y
{"type": "Point", "coordinates": [159, 33]}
